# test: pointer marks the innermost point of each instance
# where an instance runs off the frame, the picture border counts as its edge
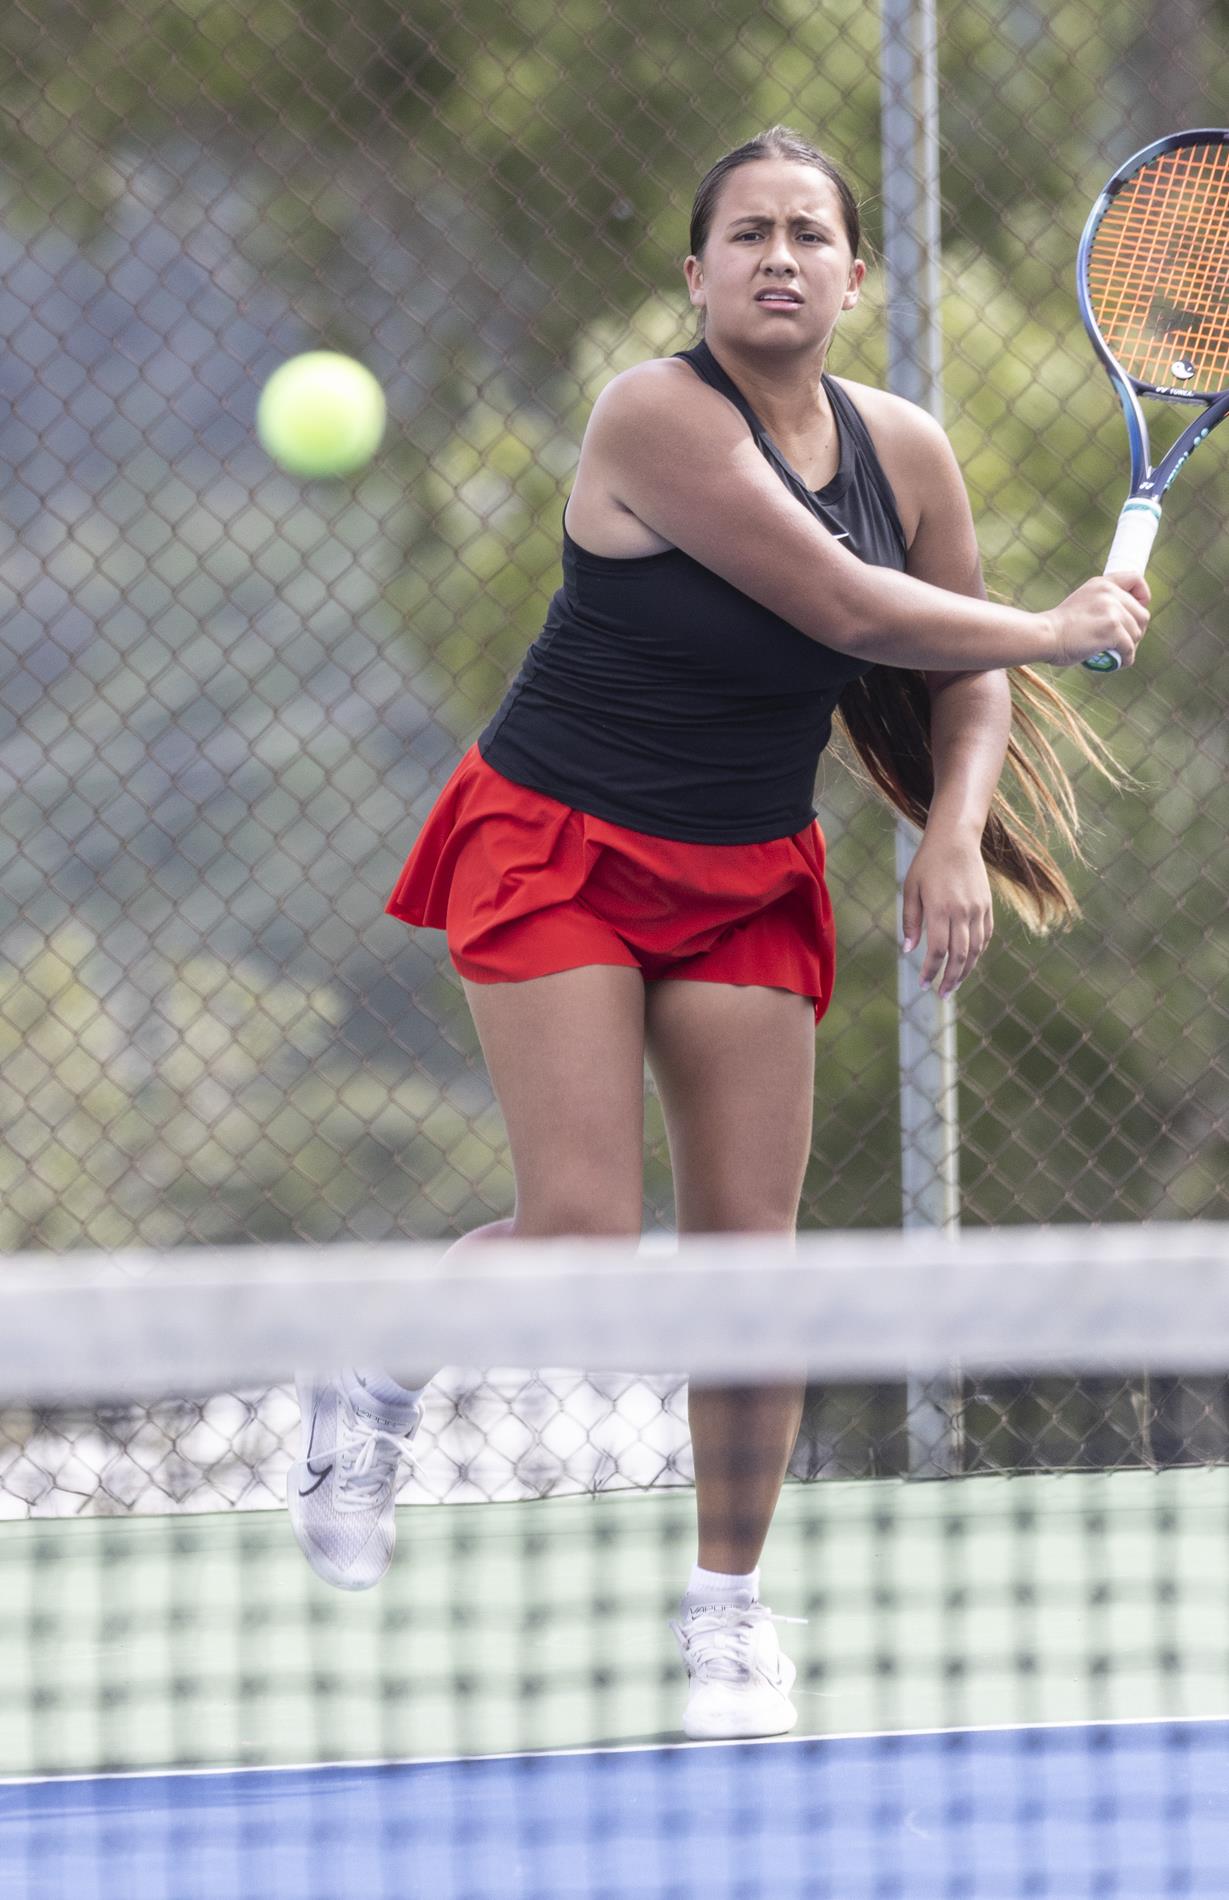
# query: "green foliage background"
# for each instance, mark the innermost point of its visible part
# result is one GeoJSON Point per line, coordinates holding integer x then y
{"type": "Point", "coordinates": [211, 1031]}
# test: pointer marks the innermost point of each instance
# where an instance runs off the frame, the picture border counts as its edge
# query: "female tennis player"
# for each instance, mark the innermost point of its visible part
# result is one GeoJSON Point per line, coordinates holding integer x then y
{"type": "Point", "coordinates": [627, 862]}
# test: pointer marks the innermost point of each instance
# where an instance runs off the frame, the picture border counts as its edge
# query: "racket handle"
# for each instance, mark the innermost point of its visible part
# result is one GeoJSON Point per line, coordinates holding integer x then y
{"type": "Point", "coordinates": [1133, 538]}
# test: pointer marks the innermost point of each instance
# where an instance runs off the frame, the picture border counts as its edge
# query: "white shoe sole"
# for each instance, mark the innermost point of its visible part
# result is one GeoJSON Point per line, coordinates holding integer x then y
{"type": "Point", "coordinates": [734, 1721]}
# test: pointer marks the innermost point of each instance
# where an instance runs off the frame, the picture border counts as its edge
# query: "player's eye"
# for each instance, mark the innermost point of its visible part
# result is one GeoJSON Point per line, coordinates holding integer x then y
{"type": "Point", "coordinates": [816, 237]}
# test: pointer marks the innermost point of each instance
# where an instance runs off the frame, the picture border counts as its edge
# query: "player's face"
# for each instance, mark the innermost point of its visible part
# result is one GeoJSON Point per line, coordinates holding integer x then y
{"type": "Point", "coordinates": [776, 271]}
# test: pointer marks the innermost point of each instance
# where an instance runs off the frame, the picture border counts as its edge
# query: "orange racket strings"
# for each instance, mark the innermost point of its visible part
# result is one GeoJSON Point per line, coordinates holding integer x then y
{"type": "Point", "coordinates": [1158, 272]}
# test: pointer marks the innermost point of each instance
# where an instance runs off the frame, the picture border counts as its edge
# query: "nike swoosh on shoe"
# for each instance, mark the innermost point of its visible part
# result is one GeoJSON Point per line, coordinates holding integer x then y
{"type": "Point", "coordinates": [319, 1476]}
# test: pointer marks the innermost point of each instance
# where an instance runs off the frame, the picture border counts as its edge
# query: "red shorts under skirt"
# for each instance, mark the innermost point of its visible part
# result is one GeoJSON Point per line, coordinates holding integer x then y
{"type": "Point", "coordinates": [525, 886]}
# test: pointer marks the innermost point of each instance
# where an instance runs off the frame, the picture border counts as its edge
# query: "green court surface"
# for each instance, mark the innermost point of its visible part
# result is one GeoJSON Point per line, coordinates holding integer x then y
{"type": "Point", "coordinates": [205, 1640]}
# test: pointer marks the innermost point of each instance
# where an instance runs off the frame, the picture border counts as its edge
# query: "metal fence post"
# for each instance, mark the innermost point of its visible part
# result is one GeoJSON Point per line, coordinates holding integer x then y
{"type": "Point", "coordinates": [929, 1125]}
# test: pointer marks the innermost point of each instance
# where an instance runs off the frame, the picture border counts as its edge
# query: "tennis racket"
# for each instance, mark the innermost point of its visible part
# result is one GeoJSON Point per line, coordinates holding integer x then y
{"type": "Point", "coordinates": [1153, 284]}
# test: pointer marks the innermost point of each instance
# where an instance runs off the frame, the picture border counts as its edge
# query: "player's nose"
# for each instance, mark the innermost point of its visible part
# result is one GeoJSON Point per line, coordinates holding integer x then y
{"type": "Point", "coordinates": [779, 254]}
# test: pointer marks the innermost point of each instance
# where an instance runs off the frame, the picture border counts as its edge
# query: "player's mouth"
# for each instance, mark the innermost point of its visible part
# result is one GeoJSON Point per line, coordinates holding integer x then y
{"type": "Point", "coordinates": [779, 299]}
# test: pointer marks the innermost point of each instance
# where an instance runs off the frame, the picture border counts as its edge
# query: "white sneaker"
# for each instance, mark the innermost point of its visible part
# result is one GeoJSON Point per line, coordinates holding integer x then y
{"type": "Point", "coordinates": [740, 1681]}
{"type": "Point", "coordinates": [342, 1491]}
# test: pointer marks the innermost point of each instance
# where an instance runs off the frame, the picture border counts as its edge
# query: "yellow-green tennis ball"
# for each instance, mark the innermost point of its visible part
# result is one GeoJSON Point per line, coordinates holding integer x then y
{"type": "Point", "coordinates": [321, 414]}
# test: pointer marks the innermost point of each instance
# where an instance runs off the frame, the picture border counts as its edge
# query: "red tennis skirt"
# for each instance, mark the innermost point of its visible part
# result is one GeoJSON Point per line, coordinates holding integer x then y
{"type": "Point", "coordinates": [526, 886]}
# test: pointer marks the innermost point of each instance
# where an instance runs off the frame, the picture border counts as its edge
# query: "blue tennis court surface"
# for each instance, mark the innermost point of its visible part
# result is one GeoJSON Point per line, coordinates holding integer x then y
{"type": "Point", "coordinates": [1136, 1811]}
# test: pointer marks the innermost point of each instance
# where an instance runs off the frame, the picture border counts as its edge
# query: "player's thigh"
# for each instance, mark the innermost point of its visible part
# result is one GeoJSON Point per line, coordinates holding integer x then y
{"type": "Point", "coordinates": [565, 1054]}
{"type": "Point", "coordinates": [735, 1070]}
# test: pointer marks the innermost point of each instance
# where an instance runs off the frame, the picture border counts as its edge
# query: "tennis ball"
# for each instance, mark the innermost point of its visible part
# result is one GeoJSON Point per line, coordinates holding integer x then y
{"type": "Point", "coordinates": [321, 414]}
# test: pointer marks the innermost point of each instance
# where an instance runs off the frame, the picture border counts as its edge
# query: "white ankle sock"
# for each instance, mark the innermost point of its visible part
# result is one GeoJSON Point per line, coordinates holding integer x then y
{"type": "Point", "coordinates": [715, 1587]}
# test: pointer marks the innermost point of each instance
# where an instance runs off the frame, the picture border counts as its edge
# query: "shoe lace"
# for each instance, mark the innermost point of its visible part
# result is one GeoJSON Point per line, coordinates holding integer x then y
{"type": "Point", "coordinates": [367, 1461]}
{"type": "Point", "coordinates": [719, 1643]}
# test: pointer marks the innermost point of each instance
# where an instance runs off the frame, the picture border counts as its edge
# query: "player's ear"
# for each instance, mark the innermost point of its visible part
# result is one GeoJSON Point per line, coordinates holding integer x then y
{"type": "Point", "coordinates": [693, 270]}
{"type": "Point", "coordinates": [857, 271]}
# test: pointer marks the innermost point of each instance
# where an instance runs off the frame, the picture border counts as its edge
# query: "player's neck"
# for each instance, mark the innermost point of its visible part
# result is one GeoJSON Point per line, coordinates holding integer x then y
{"type": "Point", "coordinates": [787, 394]}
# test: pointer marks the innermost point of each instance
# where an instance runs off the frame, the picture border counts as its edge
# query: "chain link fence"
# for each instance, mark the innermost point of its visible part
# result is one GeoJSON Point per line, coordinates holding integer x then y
{"type": "Point", "coordinates": [229, 699]}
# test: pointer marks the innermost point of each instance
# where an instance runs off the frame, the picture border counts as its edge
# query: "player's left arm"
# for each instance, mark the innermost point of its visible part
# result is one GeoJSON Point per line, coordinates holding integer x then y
{"type": "Point", "coordinates": [947, 891]}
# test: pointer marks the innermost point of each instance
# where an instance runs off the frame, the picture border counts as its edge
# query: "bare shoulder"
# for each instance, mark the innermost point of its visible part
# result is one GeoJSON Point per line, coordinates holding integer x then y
{"type": "Point", "coordinates": [648, 412]}
{"type": "Point", "coordinates": [916, 455]}
{"type": "Point", "coordinates": [660, 383]}
{"type": "Point", "coordinates": [897, 419]}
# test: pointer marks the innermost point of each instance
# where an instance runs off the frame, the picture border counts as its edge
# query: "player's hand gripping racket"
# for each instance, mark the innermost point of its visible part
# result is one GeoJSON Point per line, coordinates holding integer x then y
{"type": "Point", "coordinates": [1153, 280]}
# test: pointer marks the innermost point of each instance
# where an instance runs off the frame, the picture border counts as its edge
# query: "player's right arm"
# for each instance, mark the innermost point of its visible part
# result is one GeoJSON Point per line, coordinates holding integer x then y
{"type": "Point", "coordinates": [680, 458]}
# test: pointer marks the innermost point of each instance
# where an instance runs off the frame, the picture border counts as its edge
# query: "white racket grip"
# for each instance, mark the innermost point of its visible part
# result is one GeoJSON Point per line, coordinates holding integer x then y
{"type": "Point", "coordinates": [1133, 538]}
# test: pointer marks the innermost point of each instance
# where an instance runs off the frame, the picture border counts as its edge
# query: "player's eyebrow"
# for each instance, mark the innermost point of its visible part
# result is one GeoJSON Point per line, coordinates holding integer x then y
{"type": "Point", "coordinates": [762, 217]}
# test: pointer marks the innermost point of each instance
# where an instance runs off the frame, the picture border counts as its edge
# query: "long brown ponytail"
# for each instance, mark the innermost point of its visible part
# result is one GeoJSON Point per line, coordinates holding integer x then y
{"type": "Point", "coordinates": [886, 717]}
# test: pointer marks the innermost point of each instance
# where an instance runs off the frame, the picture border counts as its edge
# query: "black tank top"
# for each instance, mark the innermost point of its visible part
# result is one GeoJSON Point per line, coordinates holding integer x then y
{"type": "Point", "coordinates": [660, 697]}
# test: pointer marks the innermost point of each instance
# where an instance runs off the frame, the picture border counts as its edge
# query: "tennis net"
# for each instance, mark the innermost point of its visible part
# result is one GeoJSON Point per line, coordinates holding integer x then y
{"type": "Point", "coordinates": [1007, 1685]}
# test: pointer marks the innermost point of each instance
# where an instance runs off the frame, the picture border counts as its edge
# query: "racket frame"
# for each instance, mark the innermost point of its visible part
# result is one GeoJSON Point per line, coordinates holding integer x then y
{"type": "Point", "coordinates": [1141, 512]}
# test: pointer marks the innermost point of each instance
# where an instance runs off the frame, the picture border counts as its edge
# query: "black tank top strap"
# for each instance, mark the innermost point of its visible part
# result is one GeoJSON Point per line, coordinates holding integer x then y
{"type": "Point", "coordinates": [853, 428]}
{"type": "Point", "coordinates": [709, 370]}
